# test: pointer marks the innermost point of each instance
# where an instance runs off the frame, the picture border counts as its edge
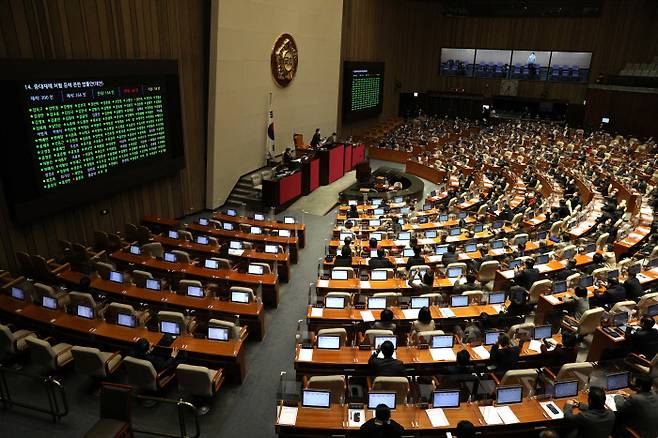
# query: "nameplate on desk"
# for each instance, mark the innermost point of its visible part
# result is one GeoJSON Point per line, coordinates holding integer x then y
{"type": "Point", "coordinates": [367, 316]}
{"type": "Point", "coordinates": [553, 415]}
{"type": "Point", "coordinates": [437, 417]}
{"type": "Point", "coordinates": [482, 352]}
{"type": "Point", "coordinates": [317, 312]}
{"type": "Point", "coordinates": [322, 283]}
{"type": "Point", "coordinates": [305, 355]}
{"type": "Point", "coordinates": [443, 354]}
{"type": "Point", "coordinates": [446, 313]}
{"type": "Point", "coordinates": [434, 258]}
{"type": "Point", "coordinates": [236, 252]}
{"type": "Point", "coordinates": [287, 415]}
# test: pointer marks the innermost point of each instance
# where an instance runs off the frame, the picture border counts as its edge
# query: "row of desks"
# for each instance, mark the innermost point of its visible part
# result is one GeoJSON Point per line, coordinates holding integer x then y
{"type": "Point", "coordinates": [229, 355]}
{"type": "Point", "coordinates": [251, 314]}
{"type": "Point", "coordinates": [270, 287]}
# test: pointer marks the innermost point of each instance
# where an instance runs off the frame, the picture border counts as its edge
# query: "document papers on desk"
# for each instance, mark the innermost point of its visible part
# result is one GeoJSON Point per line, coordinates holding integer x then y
{"type": "Point", "coordinates": [551, 414]}
{"type": "Point", "coordinates": [446, 313]}
{"type": "Point", "coordinates": [610, 402]}
{"type": "Point", "coordinates": [552, 299]}
{"type": "Point", "coordinates": [356, 413]}
{"type": "Point", "coordinates": [437, 417]}
{"type": "Point", "coordinates": [317, 312]}
{"type": "Point", "coordinates": [305, 354]}
{"type": "Point", "coordinates": [236, 252]}
{"type": "Point", "coordinates": [482, 352]}
{"type": "Point", "coordinates": [410, 313]}
{"type": "Point", "coordinates": [367, 316]}
{"type": "Point", "coordinates": [534, 345]}
{"type": "Point", "coordinates": [365, 284]}
{"type": "Point", "coordinates": [322, 283]}
{"type": "Point", "coordinates": [643, 278]}
{"type": "Point", "coordinates": [435, 258]}
{"type": "Point", "coordinates": [445, 354]}
{"type": "Point", "coordinates": [498, 415]}
{"type": "Point", "coordinates": [287, 415]}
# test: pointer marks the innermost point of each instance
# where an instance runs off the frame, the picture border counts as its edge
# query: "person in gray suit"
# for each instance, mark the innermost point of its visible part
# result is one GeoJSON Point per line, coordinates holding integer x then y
{"type": "Point", "coordinates": [593, 420]}
{"type": "Point", "coordinates": [640, 410]}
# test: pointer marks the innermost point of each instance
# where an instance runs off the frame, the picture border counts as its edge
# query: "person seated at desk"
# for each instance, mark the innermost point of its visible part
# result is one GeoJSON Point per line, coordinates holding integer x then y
{"type": "Point", "coordinates": [416, 259]}
{"type": "Point", "coordinates": [345, 257]}
{"type": "Point", "coordinates": [422, 282]}
{"type": "Point", "coordinates": [640, 410]}
{"type": "Point", "coordinates": [597, 262]}
{"type": "Point", "coordinates": [465, 429]}
{"type": "Point", "coordinates": [373, 245]}
{"type": "Point", "coordinates": [566, 352]}
{"type": "Point", "coordinates": [288, 157]}
{"type": "Point", "coordinates": [614, 293]}
{"type": "Point", "coordinates": [450, 256]}
{"type": "Point", "coordinates": [144, 351]}
{"type": "Point", "coordinates": [527, 276]}
{"type": "Point", "coordinates": [634, 290]}
{"type": "Point", "coordinates": [610, 257]}
{"type": "Point", "coordinates": [346, 227]}
{"type": "Point", "coordinates": [380, 261]}
{"type": "Point", "coordinates": [593, 420]}
{"type": "Point", "coordinates": [317, 138]}
{"type": "Point", "coordinates": [353, 213]}
{"type": "Point", "coordinates": [578, 304]}
{"type": "Point", "coordinates": [385, 321]}
{"type": "Point", "coordinates": [381, 425]}
{"type": "Point", "coordinates": [644, 340]}
{"type": "Point", "coordinates": [471, 284]}
{"type": "Point", "coordinates": [568, 271]}
{"type": "Point", "coordinates": [386, 366]}
{"type": "Point", "coordinates": [503, 355]}
{"type": "Point", "coordinates": [424, 322]}
{"type": "Point", "coordinates": [562, 210]}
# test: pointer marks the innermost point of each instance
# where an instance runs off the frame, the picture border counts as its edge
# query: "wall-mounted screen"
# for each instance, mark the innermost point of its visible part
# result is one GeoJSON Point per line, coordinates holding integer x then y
{"type": "Point", "coordinates": [531, 64]}
{"type": "Point", "coordinates": [457, 62]}
{"type": "Point", "coordinates": [82, 130]}
{"type": "Point", "coordinates": [492, 63]}
{"type": "Point", "coordinates": [363, 89]}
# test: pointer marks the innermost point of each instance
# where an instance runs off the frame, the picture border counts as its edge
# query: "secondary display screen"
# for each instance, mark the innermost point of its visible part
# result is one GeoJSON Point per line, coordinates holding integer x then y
{"type": "Point", "coordinates": [363, 89]}
{"type": "Point", "coordinates": [84, 130]}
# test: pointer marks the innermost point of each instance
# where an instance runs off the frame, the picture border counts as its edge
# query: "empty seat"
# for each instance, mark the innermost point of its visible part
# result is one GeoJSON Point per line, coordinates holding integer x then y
{"type": "Point", "coordinates": [200, 382]}
{"type": "Point", "coordinates": [371, 333]}
{"type": "Point", "coordinates": [153, 249]}
{"type": "Point", "coordinates": [12, 343]}
{"type": "Point", "coordinates": [235, 332]}
{"type": "Point", "coordinates": [487, 273]}
{"type": "Point", "coordinates": [335, 384]}
{"type": "Point", "coordinates": [95, 363]}
{"type": "Point", "coordinates": [114, 309]}
{"type": "Point", "coordinates": [185, 324]}
{"type": "Point", "coordinates": [222, 263]}
{"type": "Point", "coordinates": [538, 288]}
{"type": "Point", "coordinates": [580, 371]}
{"type": "Point", "coordinates": [526, 378]}
{"type": "Point", "coordinates": [522, 332]}
{"type": "Point", "coordinates": [398, 384]}
{"type": "Point", "coordinates": [140, 277]}
{"type": "Point", "coordinates": [250, 293]}
{"type": "Point", "coordinates": [116, 413]}
{"type": "Point", "coordinates": [425, 336]}
{"type": "Point", "coordinates": [183, 285]}
{"type": "Point", "coordinates": [104, 269]}
{"type": "Point", "coordinates": [590, 320]}
{"type": "Point", "coordinates": [142, 375]}
{"type": "Point", "coordinates": [50, 358]}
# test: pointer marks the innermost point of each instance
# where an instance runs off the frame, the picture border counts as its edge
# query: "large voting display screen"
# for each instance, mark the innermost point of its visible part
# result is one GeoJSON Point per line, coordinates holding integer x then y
{"type": "Point", "coordinates": [77, 131]}
{"type": "Point", "coordinates": [363, 89]}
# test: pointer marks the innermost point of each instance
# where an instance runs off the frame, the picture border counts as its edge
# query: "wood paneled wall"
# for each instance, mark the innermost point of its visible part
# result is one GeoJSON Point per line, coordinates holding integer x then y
{"type": "Point", "coordinates": [630, 111]}
{"type": "Point", "coordinates": [114, 29]}
{"type": "Point", "coordinates": [409, 34]}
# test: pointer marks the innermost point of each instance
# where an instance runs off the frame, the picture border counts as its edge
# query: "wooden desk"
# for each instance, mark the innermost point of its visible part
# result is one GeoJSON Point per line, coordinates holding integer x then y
{"type": "Point", "coordinates": [282, 260]}
{"type": "Point", "coordinates": [270, 287]}
{"type": "Point", "coordinates": [300, 229]}
{"type": "Point", "coordinates": [229, 355]}
{"type": "Point", "coordinates": [159, 224]}
{"type": "Point", "coordinates": [313, 422]}
{"type": "Point", "coordinates": [368, 287]}
{"type": "Point", "coordinates": [251, 315]}
{"type": "Point", "coordinates": [262, 239]}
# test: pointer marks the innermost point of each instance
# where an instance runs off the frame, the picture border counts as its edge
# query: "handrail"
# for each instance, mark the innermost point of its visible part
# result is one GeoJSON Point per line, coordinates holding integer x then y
{"type": "Point", "coordinates": [181, 406]}
{"type": "Point", "coordinates": [58, 405]}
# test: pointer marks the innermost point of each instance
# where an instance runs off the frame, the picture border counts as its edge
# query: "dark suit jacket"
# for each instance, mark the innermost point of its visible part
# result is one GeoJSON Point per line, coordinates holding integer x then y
{"type": "Point", "coordinates": [386, 366]}
{"type": "Point", "coordinates": [633, 288]}
{"type": "Point", "coordinates": [414, 261]}
{"type": "Point", "coordinates": [643, 342]}
{"type": "Point", "coordinates": [504, 358]}
{"type": "Point", "coordinates": [449, 257]}
{"type": "Point", "coordinates": [371, 430]}
{"type": "Point", "coordinates": [382, 262]}
{"type": "Point", "coordinates": [590, 423]}
{"type": "Point", "coordinates": [640, 411]}
{"type": "Point", "coordinates": [526, 277]}
{"type": "Point", "coordinates": [343, 262]}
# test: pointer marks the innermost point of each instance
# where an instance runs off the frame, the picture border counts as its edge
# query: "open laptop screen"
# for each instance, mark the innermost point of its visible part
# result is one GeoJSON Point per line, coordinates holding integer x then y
{"type": "Point", "coordinates": [617, 381]}
{"type": "Point", "coordinates": [445, 399]}
{"type": "Point", "coordinates": [334, 302]}
{"type": "Point", "coordinates": [170, 327]}
{"type": "Point", "coordinates": [420, 302]}
{"type": "Point", "coordinates": [85, 312]}
{"type": "Point", "coordinates": [541, 332]}
{"type": "Point", "coordinates": [566, 389]}
{"type": "Point", "coordinates": [509, 394]}
{"type": "Point", "coordinates": [49, 302]}
{"type": "Point", "coordinates": [381, 398]}
{"type": "Point", "coordinates": [459, 301]}
{"type": "Point", "coordinates": [125, 320]}
{"type": "Point", "coordinates": [316, 398]}
{"type": "Point", "coordinates": [152, 284]}
{"type": "Point", "coordinates": [328, 342]}
{"type": "Point", "coordinates": [442, 341]}
{"type": "Point", "coordinates": [17, 293]}
{"type": "Point", "coordinates": [218, 333]}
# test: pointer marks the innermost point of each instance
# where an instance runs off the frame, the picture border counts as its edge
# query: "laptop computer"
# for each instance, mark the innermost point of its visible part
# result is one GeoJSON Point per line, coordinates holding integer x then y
{"type": "Point", "coordinates": [565, 389]}
{"type": "Point", "coordinates": [218, 333]}
{"type": "Point", "coordinates": [85, 311]}
{"type": "Point", "coordinates": [376, 303]}
{"type": "Point", "coordinates": [559, 286]}
{"type": "Point", "coordinates": [255, 269]}
{"type": "Point", "coordinates": [491, 338]}
{"type": "Point", "coordinates": [459, 301]}
{"type": "Point", "coordinates": [496, 298]}
{"type": "Point", "coordinates": [616, 381]}
{"type": "Point", "coordinates": [338, 274]}
{"type": "Point", "coordinates": [379, 340]}
{"type": "Point", "coordinates": [445, 399]}
{"type": "Point", "coordinates": [116, 277]}
{"type": "Point", "coordinates": [541, 332]}
{"type": "Point", "coordinates": [506, 395]}
{"type": "Point", "coordinates": [316, 398]}
{"type": "Point", "coordinates": [49, 302]}
{"type": "Point", "coordinates": [378, 275]}
{"type": "Point", "coordinates": [381, 398]}
{"type": "Point", "coordinates": [17, 293]}
{"type": "Point", "coordinates": [239, 297]}
{"type": "Point", "coordinates": [442, 341]}
{"type": "Point", "coordinates": [170, 328]}
{"type": "Point", "coordinates": [419, 302]}
{"type": "Point", "coordinates": [328, 342]}
{"type": "Point", "coordinates": [334, 302]}
{"type": "Point", "coordinates": [125, 320]}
